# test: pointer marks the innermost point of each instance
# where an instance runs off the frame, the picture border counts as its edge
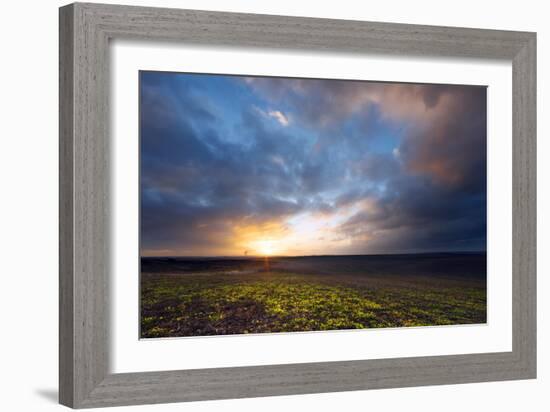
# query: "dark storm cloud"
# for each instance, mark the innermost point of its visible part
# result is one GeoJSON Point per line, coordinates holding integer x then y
{"type": "Point", "coordinates": [435, 199]}
{"type": "Point", "coordinates": [416, 215]}
{"type": "Point", "coordinates": [408, 161]}
{"type": "Point", "coordinates": [451, 147]}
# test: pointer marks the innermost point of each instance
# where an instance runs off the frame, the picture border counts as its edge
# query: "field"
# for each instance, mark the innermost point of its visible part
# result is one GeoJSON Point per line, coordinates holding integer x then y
{"type": "Point", "coordinates": [222, 296]}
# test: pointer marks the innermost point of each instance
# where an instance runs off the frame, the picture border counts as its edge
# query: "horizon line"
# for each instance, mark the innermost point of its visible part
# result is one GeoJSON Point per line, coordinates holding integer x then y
{"type": "Point", "coordinates": [320, 255]}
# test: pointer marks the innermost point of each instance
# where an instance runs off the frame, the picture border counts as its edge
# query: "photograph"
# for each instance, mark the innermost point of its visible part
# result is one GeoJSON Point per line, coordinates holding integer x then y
{"type": "Point", "coordinates": [272, 204]}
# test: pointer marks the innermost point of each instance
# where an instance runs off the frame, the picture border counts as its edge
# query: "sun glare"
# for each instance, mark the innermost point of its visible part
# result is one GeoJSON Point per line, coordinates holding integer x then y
{"type": "Point", "coordinates": [266, 247]}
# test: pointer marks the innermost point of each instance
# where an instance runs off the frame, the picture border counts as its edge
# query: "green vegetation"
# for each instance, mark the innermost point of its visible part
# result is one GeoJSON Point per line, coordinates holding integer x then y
{"type": "Point", "coordinates": [221, 303]}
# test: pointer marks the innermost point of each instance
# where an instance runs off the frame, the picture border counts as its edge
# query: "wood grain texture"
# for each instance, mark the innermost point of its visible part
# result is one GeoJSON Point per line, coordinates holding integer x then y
{"type": "Point", "coordinates": [66, 228]}
{"type": "Point", "coordinates": [84, 249]}
{"type": "Point", "coordinates": [524, 205]}
{"type": "Point", "coordinates": [85, 31]}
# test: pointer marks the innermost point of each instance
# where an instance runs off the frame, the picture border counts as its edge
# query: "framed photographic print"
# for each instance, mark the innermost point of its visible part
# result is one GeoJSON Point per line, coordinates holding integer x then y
{"type": "Point", "coordinates": [260, 205]}
{"type": "Point", "coordinates": [290, 205]}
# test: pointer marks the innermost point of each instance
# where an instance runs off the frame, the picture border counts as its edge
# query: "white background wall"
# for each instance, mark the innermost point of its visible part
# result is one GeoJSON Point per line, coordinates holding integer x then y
{"type": "Point", "coordinates": [28, 206]}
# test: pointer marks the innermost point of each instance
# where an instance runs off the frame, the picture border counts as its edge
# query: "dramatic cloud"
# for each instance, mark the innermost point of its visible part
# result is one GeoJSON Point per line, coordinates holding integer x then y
{"type": "Point", "coordinates": [232, 164]}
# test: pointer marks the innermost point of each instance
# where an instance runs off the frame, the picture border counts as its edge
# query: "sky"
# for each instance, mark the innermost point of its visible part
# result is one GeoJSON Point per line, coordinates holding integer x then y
{"type": "Point", "coordinates": [235, 165]}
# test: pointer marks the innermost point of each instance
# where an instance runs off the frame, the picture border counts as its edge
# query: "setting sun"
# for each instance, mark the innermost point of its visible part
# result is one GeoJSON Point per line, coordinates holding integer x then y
{"type": "Point", "coordinates": [265, 247]}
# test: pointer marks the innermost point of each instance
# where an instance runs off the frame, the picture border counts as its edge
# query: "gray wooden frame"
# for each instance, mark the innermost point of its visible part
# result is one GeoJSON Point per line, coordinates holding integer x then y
{"type": "Point", "coordinates": [85, 31]}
